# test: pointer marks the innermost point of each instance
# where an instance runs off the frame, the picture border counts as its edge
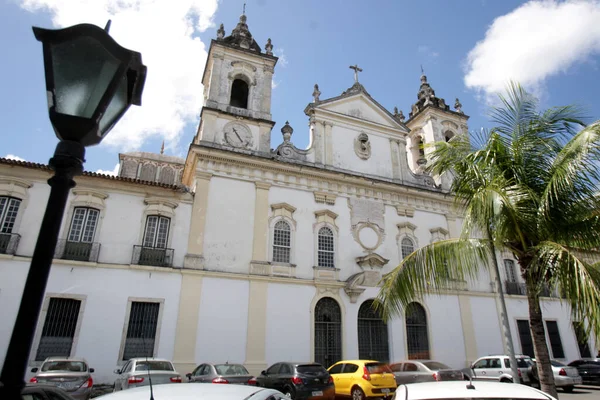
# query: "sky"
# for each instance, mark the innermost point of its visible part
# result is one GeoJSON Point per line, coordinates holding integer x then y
{"type": "Point", "coordinates": [469, 49]}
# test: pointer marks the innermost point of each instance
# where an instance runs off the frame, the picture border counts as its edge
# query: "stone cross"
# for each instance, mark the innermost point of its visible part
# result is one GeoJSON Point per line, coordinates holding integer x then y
{"type": "Point", "coordinates": [356, 71]}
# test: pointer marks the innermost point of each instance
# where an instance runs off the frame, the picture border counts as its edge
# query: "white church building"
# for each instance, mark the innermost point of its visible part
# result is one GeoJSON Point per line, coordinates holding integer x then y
{"type": "Point", "coordinates": [253, 255]}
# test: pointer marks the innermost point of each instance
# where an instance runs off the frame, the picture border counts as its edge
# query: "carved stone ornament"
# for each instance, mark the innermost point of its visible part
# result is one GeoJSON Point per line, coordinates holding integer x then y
{"type": "Point", "coordinates": [237, 135]}
{"type": "Point", "coordinates": [365, 210]}
{"type": "Point", "coordinates": [368, 235]}
{"type": "Point", "coordinates": [362, 146]}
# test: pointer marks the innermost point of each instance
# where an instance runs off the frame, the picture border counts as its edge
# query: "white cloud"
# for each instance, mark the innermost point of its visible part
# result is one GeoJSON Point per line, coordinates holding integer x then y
{"type": "Point", "coordinates": [114, 171]}
{"type": "Point", "coordinates": [274, 83]}
{"type": "Point", "coordinates": [532, 43]}
{"type": "Point", "coordinates": [165, 32]}
{"type": "Point", "coordinates": [428, 51]}
{"type": "Point", "coordinates": [283, 61]}
{"type": "Point", "coordinates": [13, 157]}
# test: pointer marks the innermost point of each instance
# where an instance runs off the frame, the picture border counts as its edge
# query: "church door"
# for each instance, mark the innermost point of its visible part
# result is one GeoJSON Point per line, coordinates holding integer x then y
{"type": "Point", "coordinates": [372, 334]}
{"type": "Point", "coordinates": [328, 332]}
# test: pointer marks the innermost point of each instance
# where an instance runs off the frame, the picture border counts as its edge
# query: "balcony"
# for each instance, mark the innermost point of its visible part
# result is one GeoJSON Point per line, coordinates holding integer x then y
{"type": "Point", "coordinates": [77, 251]}
{"type": "Point", "coordinates": [154, 256]}
{"type": "Point", "coordinates": [9, 243]}
{"type": "Point", "coordinates": [521, 289]}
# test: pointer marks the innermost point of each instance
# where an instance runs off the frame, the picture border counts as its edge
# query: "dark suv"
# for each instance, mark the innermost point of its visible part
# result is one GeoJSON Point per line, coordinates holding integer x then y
{"type": "Point", "coordinates": [298, 380]}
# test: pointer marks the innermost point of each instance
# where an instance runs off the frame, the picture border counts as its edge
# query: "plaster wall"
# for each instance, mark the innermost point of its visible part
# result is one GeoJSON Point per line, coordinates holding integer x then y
{"type": "Point", "coordinates": [446, 333]}
{"type": "Point", "coordinates": [487, 326]}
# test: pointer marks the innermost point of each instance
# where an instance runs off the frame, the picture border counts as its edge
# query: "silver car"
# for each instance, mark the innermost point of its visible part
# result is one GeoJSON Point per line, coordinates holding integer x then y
{"type": "Point", "coordinates": [139, 371]}
{"type": "Point", "coordinates": [565, 377]}
{"type": "Point", "coordinates": [413, 371]}
{"type": "Point", "coordinates": [222, 373]}
{"type": "Point", "coordinates": [70, 374]}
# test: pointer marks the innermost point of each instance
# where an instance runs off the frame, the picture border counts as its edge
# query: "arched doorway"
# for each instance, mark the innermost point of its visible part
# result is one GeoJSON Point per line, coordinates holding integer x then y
{"type": "Point", "coordinates": [373, 341]}
{"type": "Point", "coordinates": [417, 336]}
{"type": "Point", "coordinates": [328, 332]}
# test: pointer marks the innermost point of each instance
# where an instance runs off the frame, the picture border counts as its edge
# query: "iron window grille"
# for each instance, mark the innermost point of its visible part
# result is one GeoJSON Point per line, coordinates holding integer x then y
{"type": "Point", "coordinates": [515, 288]}
{"type": "Point", "coordinates": [141, 330]}
{"type": "Point", "coordinates": [328, 332]}
{"type": "Point", "coordinates": [582, 340]}
{"type": "Point", "coordinates": [554, 338]}
{"type": "Point", "coordinates": [281, 242]}
{"type": "Point", "coordinates": [326, 248]}
{"type": "Point", "coordinates": [509, 268]}
{"type": "Point", "coordinates": [416, 332]}
{"type": "Point", "coordinates": [59, 328]}
{"type": "Point", "coordinates": [9, 208]}
{"type": "Point", "coordinates": [9, 243]}
{"type": "Point", "coordinates": [154, 249]}
{"type": "Point", "coordinates": [373, 341]}
{"type": "Point", "coordinates": [525, 337]}
{"type": "Point", "coordinates": [79, 244]}
{"type": "Point", "coordinates": [407, 247]}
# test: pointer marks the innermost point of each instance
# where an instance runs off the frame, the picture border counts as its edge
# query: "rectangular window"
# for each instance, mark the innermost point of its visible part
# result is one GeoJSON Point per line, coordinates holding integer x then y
{"type": "Point", "coordinates": [83, 225]}
{"type": "Point", "coordinates": [554, 338]}
{"type": "Point", "coordinates": [141, 330]}
{"type": "Point", "coordinates": [509, 267]}
{"type": "Point", "coordinates": [156, 233]}
{"type": "Point", "coordinates": [9, 207]}
{"type": "Point", "coordinates": [582, 340]}
{"type": "Point", "coordinates": [59, 328]}
{"type": "Point", "coordinates": [525, 337]}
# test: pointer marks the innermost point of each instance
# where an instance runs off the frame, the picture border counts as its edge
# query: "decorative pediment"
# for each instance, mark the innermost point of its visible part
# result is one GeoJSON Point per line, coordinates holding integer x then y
{"type": "Point", "coordinates": [363, 107]}
{"type": "Point", "coordinates": [325, 198]}
{"type": "Point", "coordinates": [160, 206]}
{"type": "Point", "coordinates": [11, 186]}
{"type": "Point", "coordinates": [371, 261]}
{"type": "Point", "coordinates": [326, 216]}
{"type": "Point", "coordinates": [89, 198]}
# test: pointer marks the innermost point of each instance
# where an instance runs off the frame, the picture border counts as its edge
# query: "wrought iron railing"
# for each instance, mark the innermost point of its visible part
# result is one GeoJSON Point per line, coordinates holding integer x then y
{"type": "Point", "coordinates": [77, 251]}
{"type": "Point", "coordinates": [521, 289]}
{"type": "Point", "coordinates": [155, 256]}
{"type": "Point", "coordinates": [9, 243]}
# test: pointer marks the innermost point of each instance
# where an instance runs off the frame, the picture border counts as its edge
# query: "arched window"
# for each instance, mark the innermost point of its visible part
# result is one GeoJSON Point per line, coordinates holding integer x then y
{"type": "Point", "coordinates": [281, 242]}
{"type": "Point", "coordinates": [448, 135]}
{"type": "Point", "coordinates": [421, 148]}
{"type": "Point", "coordinates": [167, 175]}
{"type": "Point", "coordinates": [328, 332]}
{"type": "Point", "coordinates": [372, 334]}
{"type": "Point", "coordinates": [407, 247]}
{"type": "Point", "coordinates": [239, 94]}
{"type": "Point", "coordinates": [326, 256]}
{"type": "Point", "coordinates": [417, 337]}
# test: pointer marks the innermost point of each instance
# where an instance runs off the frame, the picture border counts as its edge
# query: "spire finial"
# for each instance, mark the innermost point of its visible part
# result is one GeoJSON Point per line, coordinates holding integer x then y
{"type": "Point", "coordinates": [162, 148]}
{"type": "Point", "coordinates": [356, 71]}
{"type": "Point", "coordinates": [244, 9]}
{"type": "Point", "coordinates": [422, 71]}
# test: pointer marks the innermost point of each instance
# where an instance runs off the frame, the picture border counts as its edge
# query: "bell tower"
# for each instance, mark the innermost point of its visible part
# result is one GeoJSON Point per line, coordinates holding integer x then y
{"type": "Point", "coordinates": [237, 91]}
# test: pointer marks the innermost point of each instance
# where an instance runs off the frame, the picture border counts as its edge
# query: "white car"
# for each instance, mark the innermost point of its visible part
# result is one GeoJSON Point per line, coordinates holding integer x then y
{"type": "Point", "coordinates": [197, 391]}
{"type": "Point", "coordinates": [468, 390]}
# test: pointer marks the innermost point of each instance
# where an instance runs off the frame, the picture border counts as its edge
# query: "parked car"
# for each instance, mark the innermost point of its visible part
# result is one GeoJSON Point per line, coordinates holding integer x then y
{"type": "Point", "coordinates": [222, 373]}
{"type": "Point", "coordinates": [589, 370]}
{"type": "Point", "coordinates": [565, 377]}
{"type": "Point", "coordinates": [413, 371]}
{"type": "Point", "coordinates": [362, 379]}
{"type": "Point", "coordinates": [40, 391]}
{"type": "Point", "coordinates": [138, 372]}
{"type": "Point", "coordinates": [298, 380]}
{"type": "Point", "coordinates": [468, 391]}
{"type": "Point", "coordinates": [497, 368]}
{"type": "Point", "coordinates": [73, 375]}
{"type": "Point", "coordinates": [197, 391]}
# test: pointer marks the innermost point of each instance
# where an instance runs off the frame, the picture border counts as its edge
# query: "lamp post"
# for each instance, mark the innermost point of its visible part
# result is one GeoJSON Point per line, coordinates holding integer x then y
{"type": "Point", "coordinates": [90, 82]}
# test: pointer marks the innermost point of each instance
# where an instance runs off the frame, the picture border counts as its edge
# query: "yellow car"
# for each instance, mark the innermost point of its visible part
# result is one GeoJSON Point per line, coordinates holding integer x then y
{"type": "Point", "coordinates": [362, 379]}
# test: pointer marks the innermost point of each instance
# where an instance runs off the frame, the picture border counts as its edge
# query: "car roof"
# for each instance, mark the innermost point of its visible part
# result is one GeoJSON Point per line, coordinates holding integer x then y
{"type": "Point", "coordinates": [195, 391]}
{"type": "Point", "coordinates": [359, 361]}
{"type": "Point", "coordinates": [148, 359]}
{"type": "Point", "coordinates": [75, 359]}
{"type": "Point", "coordinates": [458, 390]}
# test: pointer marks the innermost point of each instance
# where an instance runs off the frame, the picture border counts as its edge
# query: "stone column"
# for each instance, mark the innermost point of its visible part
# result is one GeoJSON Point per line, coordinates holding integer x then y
{"type": "Point", "coordinates": [208, 127]}
{"type": "Point", "coordinates": [261, 222]}
{"type": "Point", "coordinates": [328, 143]}
{"type": "Point", "coordinates": [396, 174]}
{"type": "Point", "coordinates": [184, 354]}
{"type": "Point", "coordinates": [215, 91]}
{"type": "Point", "coordinates": [466, 321]}
{"type": "Point", "coordinates": [264, 137]}
{"type": "Point", "coordinates": [194, 259]}
{"type": "Point", "coordinates": [405, 174]}
{"type": "Point", "coordinates": [265, 107]}
{"type": "Point", "coordinates": [256, 335]}
{"type": "Point", "coordinates": [317, 139]}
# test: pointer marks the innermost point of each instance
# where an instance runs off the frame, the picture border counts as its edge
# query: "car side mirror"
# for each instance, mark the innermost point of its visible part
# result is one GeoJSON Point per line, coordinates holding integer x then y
{"type": "Point", "coordinates": [263, 372]}
{"type": "Point", "coordinates": [34, 369]}
{"type": "Point", "coordinates": [92, 370]}
{"type": "Point", "coordinates": [117, 371]}
{"type": "Point", "coordinates": [473, 366]}
{"type": "Point", "coordinates": [189, 375]}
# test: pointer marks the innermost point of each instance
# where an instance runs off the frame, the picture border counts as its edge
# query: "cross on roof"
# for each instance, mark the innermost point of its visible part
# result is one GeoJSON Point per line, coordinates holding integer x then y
{"type": "Point", "coordinates": [356, 71]}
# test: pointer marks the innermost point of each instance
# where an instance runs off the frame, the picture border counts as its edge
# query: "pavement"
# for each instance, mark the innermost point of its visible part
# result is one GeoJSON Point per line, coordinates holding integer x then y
{"type": "Point", "coordinates": [581, 393]}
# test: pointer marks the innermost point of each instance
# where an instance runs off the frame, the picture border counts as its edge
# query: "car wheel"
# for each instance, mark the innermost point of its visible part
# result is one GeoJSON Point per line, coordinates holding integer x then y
{"type": "Point", "coordinates": [289, 392]}
{"type": "Point", "coordinates": [568, 389]}
{"type": "Point", "coordinates": [358, 394]}
{"type": "Point", "coordinates": [505, 380]}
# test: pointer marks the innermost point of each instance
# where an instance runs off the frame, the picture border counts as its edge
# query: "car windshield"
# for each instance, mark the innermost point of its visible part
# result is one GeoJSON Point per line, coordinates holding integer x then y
{"type": "Point", "coordinates": [377, 368]}
{"type": "Point", "coordinates": [153, 366]}
{"type": "Point", "coordinates": [435, 366]}
{"type": "Point", "coordinates": [313, 369]}
{"type": "Point", "coordinates": [67, 366]}
{"type": "Point", "coordinates": [557, 363]}
{"type": "Point", "coordinates": [231, 369]}
{"type": "Point", "coordinates": [521, 362]}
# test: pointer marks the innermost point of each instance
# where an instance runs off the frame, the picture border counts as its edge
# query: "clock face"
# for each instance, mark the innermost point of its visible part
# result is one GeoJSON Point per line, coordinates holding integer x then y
{"type": "Point", "coordinates": [237, 135]}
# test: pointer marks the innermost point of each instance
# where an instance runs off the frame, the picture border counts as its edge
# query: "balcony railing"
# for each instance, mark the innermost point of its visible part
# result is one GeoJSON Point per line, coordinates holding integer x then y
{"type": "Point", "coordinates": [9, 243]}
{"type": "Point", "coordinates": [521, 289]}
{"type": "Point", "coordinates": [77, 251]}
{"type": "Point", "coordinates": [155, 256]}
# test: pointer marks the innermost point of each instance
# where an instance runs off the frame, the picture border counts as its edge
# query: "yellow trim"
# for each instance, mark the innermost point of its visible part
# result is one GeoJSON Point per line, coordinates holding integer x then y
{"type": "Point", "coordinates": [184, 353]}
{"type": "Point", "coordinates": [257, 328]}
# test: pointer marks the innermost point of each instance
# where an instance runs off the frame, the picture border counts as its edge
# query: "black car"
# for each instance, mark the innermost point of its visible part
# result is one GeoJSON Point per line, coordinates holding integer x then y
{"type": "Point", "coordinates": [299, 380]}
{"type": "Point", "coordinates": [589, 369]}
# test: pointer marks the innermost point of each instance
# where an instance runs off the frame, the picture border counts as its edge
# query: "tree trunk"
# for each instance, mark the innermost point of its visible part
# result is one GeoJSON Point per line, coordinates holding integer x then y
{"type": "Point", "coordinates": [540, 348]}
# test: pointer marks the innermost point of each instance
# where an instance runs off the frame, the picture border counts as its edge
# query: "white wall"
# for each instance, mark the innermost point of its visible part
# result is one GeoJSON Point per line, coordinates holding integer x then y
{"type": "Point", "coordinates": [487, 326]}
{"type": "Point", "coordinates": [446, 334]}
{"type": "Point", "coordinates": [223, 321]}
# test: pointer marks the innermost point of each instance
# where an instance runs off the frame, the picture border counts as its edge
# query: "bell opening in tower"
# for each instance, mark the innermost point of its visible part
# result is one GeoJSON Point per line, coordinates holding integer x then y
{"type": "Point", "coordinates": [239, 94]}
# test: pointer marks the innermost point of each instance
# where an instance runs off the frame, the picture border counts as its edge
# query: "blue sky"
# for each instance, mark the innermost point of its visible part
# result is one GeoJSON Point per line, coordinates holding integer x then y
{"type": "Point", "coordinates": [468, 48]}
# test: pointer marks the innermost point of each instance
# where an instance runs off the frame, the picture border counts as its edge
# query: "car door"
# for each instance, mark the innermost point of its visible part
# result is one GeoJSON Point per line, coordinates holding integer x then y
{"type": "Point", "coordinates": [271, 376]}
{"type": "Point", "coordinates": [284, 376]}
{"type": "Point", "coordinates": [415, 373]}
{"type": "Point", "coordinates": [336, 372]}
{"type": "Point", "coordinates": [122, 377]}
{"type": "Point", "coordinates": [347, 377]}
{"type": "Point", "coordinates": [200, 375]}
{"type": "Point", "coordinates": [479, 369]}
{"type": "Point", "coordinates": [494, 369]}
{"type": "Point", "coordinates": [397, 371]}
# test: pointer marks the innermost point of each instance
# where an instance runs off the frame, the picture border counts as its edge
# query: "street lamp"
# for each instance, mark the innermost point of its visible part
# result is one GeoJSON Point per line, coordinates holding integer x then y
{"type": "Point", "coordinates": [90, 82]}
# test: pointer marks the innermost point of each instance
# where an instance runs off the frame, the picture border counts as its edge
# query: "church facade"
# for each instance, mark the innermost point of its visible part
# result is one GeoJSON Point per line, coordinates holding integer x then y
{"type": "Point", "coordinates": [248, 254]}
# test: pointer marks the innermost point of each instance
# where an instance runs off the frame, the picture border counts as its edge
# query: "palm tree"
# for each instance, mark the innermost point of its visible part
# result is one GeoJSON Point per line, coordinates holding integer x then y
{"type": "Point", "coordinates": [530, 186]}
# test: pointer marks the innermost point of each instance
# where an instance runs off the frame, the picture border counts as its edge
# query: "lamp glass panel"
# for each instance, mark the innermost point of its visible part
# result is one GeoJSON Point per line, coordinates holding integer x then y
{"type": "Point", "coordinates": [82, 70]}
{"type": "Point", "coordinates": [115, 109]}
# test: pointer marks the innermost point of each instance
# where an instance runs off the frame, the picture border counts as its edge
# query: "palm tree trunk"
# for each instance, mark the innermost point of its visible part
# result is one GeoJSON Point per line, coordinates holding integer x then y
{"type": "Point", "coordinates": [540, 347]}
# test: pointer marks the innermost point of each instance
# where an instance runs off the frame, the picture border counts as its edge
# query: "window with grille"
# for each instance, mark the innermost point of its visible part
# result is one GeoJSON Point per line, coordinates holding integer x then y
{"type": "Point", "coordinates": [407, 247]}
{"type": "Point", "coordinates": [509, 268]}
{"type": "Point", "coordinates": [525, 337]}
{"type": "Point", "coordinates": [141, 330]}
{"type": "Point", "coordinates": [281, 242]}
{"type": "Point", "coordinates": [554, 338]}
{"type": "Point", "coordinates": [9, 207]}
{"type": "Point", "coordinates": [328, 332]}
{"type": "Point", "coordinates": [83, 225]}
{"type": "Point", "coordinates": [156, 233]}
{"type": "Point", "coordinates": [59, 328]}
{"type": "Point", "coordinates": [373, 341]}
{"type": "Point", "coordinates": [416, 332]}
{"type": "Point", "coordinates": [582, 340]}
{"type": "Point", "coordinates": [326, 249]}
